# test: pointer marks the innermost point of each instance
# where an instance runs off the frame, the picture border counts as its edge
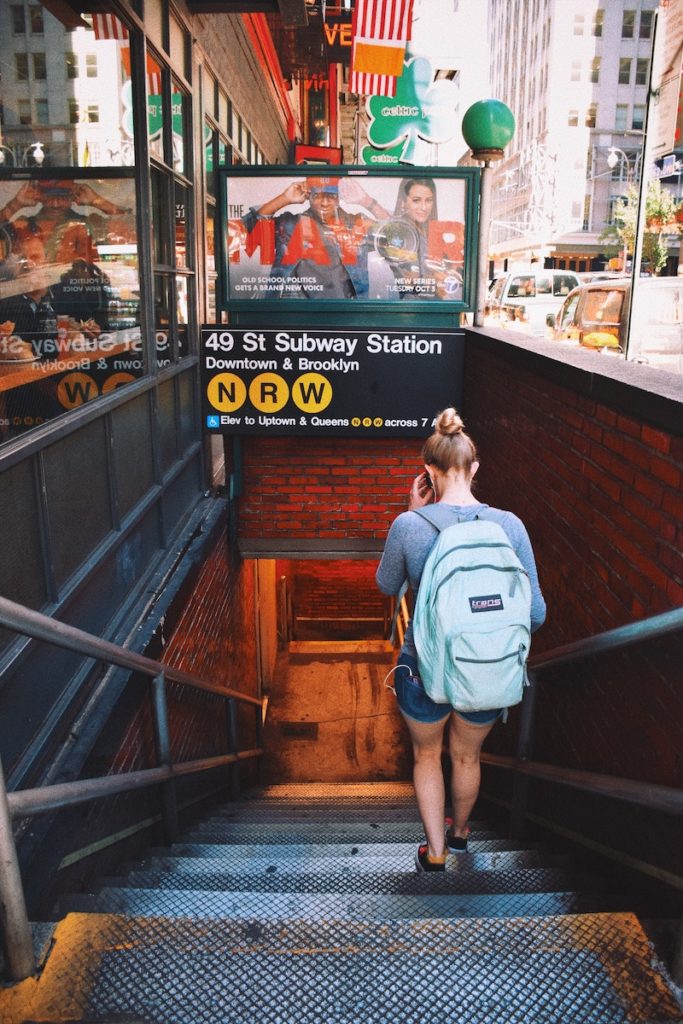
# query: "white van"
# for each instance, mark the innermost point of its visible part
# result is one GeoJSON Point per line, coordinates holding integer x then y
{"type": "Point", "coordinates": [524, 298]}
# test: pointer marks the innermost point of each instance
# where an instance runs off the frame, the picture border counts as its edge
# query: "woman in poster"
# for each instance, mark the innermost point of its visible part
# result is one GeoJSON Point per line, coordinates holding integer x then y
{"type": "Point", "coordinates": [424, 253]}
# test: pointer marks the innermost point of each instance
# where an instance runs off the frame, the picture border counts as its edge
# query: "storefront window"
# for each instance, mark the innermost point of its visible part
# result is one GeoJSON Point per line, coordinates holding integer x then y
{"type": "Point", "coordinates": [69, 295]}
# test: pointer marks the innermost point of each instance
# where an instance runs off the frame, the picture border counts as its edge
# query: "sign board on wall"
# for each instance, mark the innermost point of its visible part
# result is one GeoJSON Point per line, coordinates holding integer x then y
{"type": "Point", "coordinates": [383, 238]}
{"type": "Point", "coordinates": [328, 381]}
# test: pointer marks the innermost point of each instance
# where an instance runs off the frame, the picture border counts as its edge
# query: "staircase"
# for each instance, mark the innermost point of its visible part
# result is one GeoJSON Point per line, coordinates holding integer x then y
{"type": "Point", "coordinates": [302, 905]}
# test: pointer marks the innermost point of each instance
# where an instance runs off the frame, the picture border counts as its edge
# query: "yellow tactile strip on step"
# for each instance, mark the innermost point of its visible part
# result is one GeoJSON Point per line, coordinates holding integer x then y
{"type": "Point", "coordinates": [339, 791]}
{"type": "Point", "coordinates": [89, 970]}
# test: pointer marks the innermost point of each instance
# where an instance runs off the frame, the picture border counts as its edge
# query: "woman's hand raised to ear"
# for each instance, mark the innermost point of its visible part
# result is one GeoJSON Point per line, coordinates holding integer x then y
{"type": "Point", "coordinates": [421, 493]}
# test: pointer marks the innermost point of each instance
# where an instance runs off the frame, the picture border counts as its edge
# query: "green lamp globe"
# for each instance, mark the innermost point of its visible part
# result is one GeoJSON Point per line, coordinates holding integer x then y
{"type": "Point", "coordinates": [487, 127]}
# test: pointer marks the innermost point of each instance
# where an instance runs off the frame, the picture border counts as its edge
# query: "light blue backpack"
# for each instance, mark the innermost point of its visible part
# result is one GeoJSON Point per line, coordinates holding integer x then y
{"type": "Point", "coordinates": [472, 618]}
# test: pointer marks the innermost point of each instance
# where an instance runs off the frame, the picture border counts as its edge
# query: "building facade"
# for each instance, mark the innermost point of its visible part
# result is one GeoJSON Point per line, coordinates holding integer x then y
{"type": "Point", "coordinates": [576, 77]}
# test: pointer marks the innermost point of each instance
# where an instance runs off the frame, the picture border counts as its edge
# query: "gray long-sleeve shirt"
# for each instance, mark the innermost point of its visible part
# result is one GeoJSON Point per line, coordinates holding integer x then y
{"type": "Point", "coordinates": [410, 540]}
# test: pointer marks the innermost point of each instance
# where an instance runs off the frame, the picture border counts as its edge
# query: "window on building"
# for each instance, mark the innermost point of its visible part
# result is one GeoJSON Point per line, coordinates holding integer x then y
{"type": "Point", "coordinates": [42, 112]}
{"type": "Point", "coordinates": [73, 223]}
{"type": "Point", "coordinates": [624, 70]}
{"type": "Point", "coordinates": [579, 24]}
{"type": "Point", "coordinates": [592, 115]}
{"type": "Point", "coordinates": [573, 118]}
{"type": "Point", "coordinates": [642, 71]}
{"type": "Point", "coordinates": [598, 22]}
{"type": "Point", "coordinates": [91, 65]}
{"type": "Point", "coordinates": [37, 20]}
{"type": "Point", "coordinates": [21, 67]}
{"type": "Point", "coordinates": [18, 13]}
{"type": "Point", "coordinates": [621, 117]}
{"type": "Point", "coordinates": [628, 24]}
{"type": "Point", "coordinates": [586, 223]}
{"type": "Point", "coordinates": [595, 70]}
{"type": "Point", "coordinates": [575, 74]}
{"type": "Point", "coordinates": [611, 205]}
{"type": "Point", "coordinates": [646, 20]}
{"type": "Point", "coordinates": [638, 119]}
{"type": "Point", "coordinates": [39, 67]}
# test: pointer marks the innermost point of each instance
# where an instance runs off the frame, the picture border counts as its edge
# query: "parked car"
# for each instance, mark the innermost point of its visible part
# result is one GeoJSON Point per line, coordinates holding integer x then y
{"type": "Point", "coordinates": [596, 315]}
{"type": "Point", "coordinates": [525, 298]}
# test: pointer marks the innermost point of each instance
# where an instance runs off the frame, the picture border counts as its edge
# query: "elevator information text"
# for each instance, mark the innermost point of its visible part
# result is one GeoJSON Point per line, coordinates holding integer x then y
{"type": "Point", "coordinates": [328, 381]}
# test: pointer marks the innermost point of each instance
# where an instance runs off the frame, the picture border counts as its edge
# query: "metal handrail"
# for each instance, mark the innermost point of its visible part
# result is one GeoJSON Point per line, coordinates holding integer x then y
{"type": "Point", "coordinates": [656, 797]}
{"type": "Point", "coordinates": [610, 640]}
{"type": "Point", "coordinates": [14, 923]}
{"type": "Point", "coordinates": [42, 627]}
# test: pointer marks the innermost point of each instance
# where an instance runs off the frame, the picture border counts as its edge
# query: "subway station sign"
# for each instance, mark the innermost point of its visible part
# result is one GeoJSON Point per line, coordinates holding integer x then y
{"type": "Point", "coordinates": [328, 381]}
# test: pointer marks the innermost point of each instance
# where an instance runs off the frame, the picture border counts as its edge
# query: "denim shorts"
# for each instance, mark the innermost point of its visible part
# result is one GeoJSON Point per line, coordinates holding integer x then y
{"type": "Point", "coordinates": [414, 702]}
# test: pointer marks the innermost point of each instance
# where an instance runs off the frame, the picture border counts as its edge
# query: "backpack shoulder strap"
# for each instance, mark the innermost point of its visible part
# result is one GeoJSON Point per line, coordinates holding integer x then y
{"type": "Point", "coordinates": [422, 513]}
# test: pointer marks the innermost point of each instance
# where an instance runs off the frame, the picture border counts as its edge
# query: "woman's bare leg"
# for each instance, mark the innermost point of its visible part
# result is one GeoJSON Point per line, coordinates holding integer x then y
{"type": "Point", "coordinates": [427, 740]}
{"type": "Point", "coordinates": [465, 742]}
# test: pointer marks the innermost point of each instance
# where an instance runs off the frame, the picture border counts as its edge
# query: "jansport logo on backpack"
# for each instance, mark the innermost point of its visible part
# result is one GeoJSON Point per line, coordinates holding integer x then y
{"type": "Point", "coordinates": [472, 618]}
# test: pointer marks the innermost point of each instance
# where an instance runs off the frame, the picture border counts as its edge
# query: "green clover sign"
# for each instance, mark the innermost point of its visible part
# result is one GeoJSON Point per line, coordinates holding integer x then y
{"type": "Point", "coordinates": [421, 109]}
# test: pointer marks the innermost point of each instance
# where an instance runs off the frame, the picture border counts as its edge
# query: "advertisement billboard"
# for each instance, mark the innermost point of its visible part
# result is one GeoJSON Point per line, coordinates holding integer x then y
{"type": "Point", "coordinates": [394, 238]}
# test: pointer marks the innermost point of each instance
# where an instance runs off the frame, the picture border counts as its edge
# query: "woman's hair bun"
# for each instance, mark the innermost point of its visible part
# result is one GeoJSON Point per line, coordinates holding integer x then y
{"type": "Point", "coordinates": [448, 423]}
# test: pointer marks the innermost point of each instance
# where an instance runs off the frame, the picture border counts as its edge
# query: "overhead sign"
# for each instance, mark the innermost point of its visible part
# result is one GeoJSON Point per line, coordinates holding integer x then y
{"type": "Point", "coordinates": [334, 381]}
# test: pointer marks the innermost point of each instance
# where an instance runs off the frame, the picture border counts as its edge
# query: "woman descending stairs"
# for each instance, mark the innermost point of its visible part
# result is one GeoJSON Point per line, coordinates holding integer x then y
{"type": "Point", "coordinates": [303, 905]}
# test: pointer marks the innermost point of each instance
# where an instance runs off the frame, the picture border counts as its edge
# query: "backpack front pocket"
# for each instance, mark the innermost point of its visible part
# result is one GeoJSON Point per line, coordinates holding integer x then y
{"type": "Point", "coordinates": [486, 670]}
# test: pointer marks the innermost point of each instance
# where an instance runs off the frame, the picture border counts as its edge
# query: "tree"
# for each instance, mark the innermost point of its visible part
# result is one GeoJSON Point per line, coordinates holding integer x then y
{"type": "Point", "coordinates": [661, 211]}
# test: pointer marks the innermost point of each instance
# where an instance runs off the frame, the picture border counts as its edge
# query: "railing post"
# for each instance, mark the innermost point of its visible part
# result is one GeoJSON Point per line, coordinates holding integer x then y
{"type": "Point", "coordinates": [520, 785]}
{"type": "Point", "coordinates": [14, 923]}
{"type": "Point", "coordinates": [232, 747]}
{"type": "Point", "coordinates": [169, 805]}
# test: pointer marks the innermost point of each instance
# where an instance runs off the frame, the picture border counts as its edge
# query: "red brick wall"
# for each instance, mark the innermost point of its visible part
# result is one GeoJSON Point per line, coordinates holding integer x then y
{"type": "Point", "coordinates": [335, 589]}
{"type": "Point", "coordinates": [304, 487]}
{"type": "Point", "coordinates": [599, 488]}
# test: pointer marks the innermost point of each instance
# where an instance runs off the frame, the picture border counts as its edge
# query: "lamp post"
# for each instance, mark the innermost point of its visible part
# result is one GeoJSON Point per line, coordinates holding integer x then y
{"type": "Point", "coordinates": [487, 127]}
{"type": "Point", "coordinates": [614, 156]}
{"type": "Point", "coordinates": [20, 157]}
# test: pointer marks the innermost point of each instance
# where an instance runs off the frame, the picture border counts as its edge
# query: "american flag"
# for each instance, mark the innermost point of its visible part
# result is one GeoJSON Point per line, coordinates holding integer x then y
{"type": "Point", "coordinates": [381, 29]}
{"type": "Point", "coordinates": [108, 26]}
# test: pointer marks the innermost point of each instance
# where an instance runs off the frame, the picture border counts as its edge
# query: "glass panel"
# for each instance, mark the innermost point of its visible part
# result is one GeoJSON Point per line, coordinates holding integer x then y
{"type": "Point", "coordinates": [69, 296]}
{"type": "Point", "coordinates": [132, 431]}
{"type": "Point", "coordinates": [182, 285]}
{"type": "Point", "coordinates": [182, 199]}
{"type": "Point", "coordinates": [160, 240]}
{"type": "Point", "coordinates": [155, 108]}
{"type": "Point", "coordinates": [178, 45]}
{"type": "Point", "coordinates": [81, 114]}
{"type": "Point", "coordinates": [180, 129]}
{"type": "Point", "coordinates": [162, 314]}
{"type": "Point", "coordinates": [78, 501]}
{"type": "Point", "coordinates": [210, 137]}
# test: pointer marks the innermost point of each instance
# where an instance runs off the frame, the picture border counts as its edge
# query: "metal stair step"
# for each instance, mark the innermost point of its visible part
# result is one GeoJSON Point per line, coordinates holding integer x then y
{"type": "Point", "coordinates": [455, 880]}
{"type": "Point", "coordinates": [314, 832]}
{"type": "Point", "coordinates": [328, 858]}
{"type": "Point", "coordinates": [198, 903]}
{"type": "Point", "coordinates": [584, 969]}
